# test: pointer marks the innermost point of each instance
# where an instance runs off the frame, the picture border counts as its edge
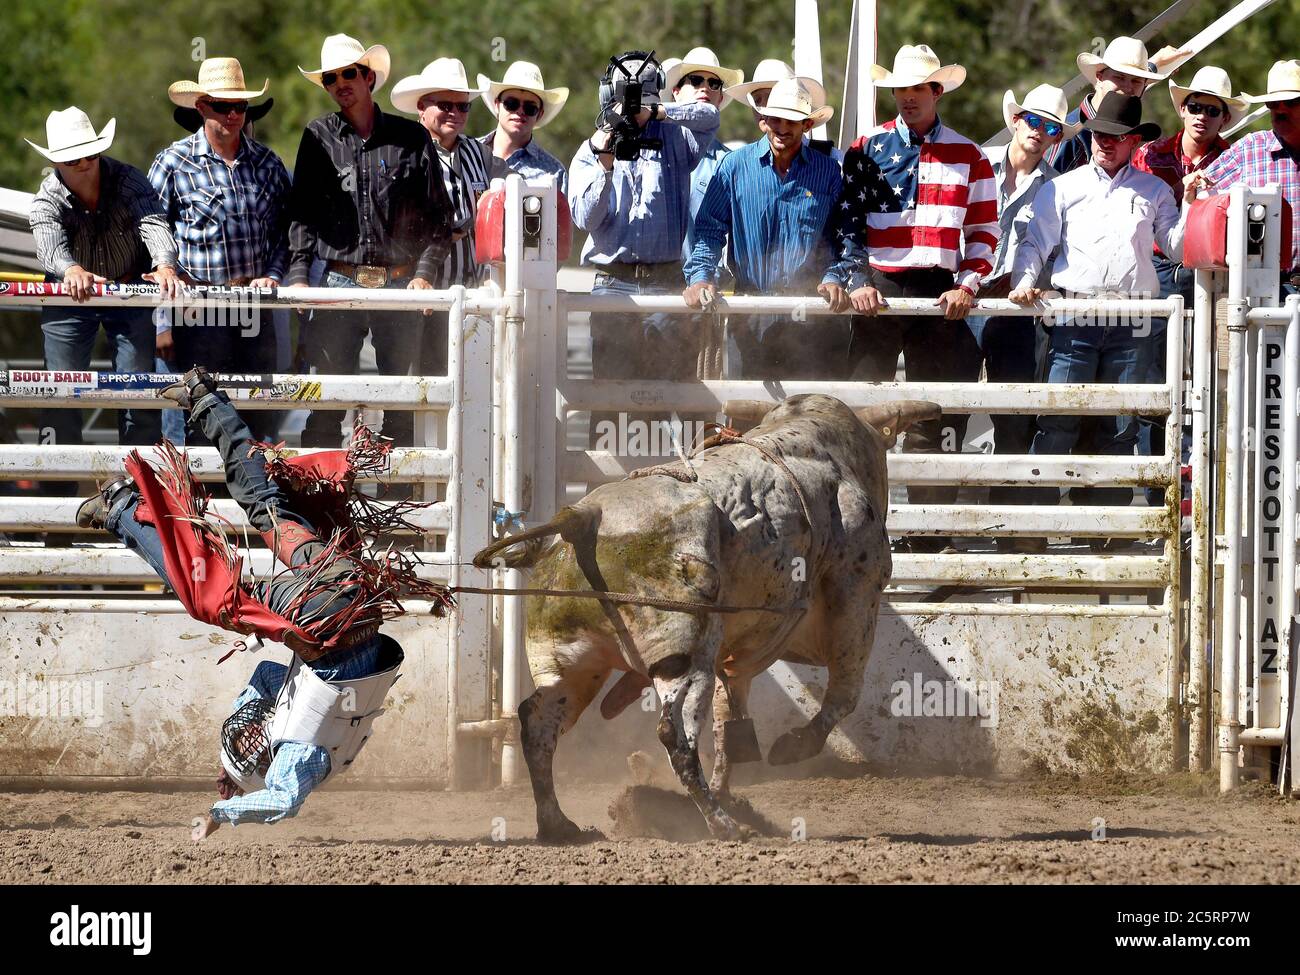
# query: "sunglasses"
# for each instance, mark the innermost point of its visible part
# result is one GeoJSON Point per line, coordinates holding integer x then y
{"type": "Point", "coordinates": [699, 81]}
{"type": "Point", "coordinates": [450, 106]}
{"type": "Point", "coordinates": [1106, 139]}
{"type": "Point", "coordinates": [513, 104]}
{"type": "Point", "coordinates": [1038, 122]}
{"type": "Point", "coordinates": [1289, 103]}
{"type": "Point", "coordinates": [348, 74]}
{"type": "Point", "coordinates": [1199, 108]}
{"type": "Point", "coordinates": [226, 108]}
{"type": "Point", "coordinates": [78, 162]}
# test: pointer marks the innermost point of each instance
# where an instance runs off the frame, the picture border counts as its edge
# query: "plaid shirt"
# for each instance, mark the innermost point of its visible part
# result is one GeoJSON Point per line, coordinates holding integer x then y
{"type": "Point", "coordinates": [297, 767]}
{"type": "Point", "coordinates": [231, 222]}
{"type": "Point", "coordinates": [1260, 158]}
{"type": "Point", "coordinates": [532, 160]}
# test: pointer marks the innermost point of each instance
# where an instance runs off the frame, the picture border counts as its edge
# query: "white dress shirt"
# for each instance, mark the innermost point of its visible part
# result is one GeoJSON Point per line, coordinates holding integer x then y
{"type": "Point", "coordinates": [1105, 228]}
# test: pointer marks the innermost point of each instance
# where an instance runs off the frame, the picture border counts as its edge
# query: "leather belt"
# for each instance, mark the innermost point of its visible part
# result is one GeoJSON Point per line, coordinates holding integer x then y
{"type": "Point", "coordinates": [634, 272]}
{"type": "Point", "coordinates": [370, 275]}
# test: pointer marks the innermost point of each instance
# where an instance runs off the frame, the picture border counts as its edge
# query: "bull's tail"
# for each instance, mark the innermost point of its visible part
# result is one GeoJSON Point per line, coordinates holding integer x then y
{"type": "Point", "coordinates": [893, 418]}
{"type": "Point", "coordinates": [569, 523]}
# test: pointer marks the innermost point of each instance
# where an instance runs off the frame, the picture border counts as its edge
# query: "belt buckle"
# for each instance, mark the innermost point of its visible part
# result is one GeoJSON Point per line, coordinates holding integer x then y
{"type": "Point", "coordinates": [641, 271]}
{"type": "Point", "coordinates": [369, 276]}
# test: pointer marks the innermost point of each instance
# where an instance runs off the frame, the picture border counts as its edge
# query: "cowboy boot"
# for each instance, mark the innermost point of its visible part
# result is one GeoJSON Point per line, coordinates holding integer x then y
{"type": "Point", "coordinates": [190, 388]}
{"type": "Point", "coordinates": [94, 511]}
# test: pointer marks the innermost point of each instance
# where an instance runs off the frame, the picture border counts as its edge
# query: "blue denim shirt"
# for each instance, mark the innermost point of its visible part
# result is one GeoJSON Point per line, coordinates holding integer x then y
{"type": "Point", "coordinates": [704, 170]}
{"type": "Point", "coordinates": [533, 160]}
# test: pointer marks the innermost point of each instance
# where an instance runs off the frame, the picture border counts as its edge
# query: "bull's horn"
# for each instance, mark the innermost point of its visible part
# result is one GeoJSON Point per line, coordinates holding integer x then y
{"type": "Point", "coordinates": [895, 417]}
{"type": "Point", "coordinates": [747, 410]}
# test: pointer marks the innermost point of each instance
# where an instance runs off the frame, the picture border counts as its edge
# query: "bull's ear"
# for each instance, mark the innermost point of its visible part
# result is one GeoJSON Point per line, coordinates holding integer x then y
{"type": "Point", "coordinates": [748, 411]}
{"type": "Point", "coordinates": [895, 417]}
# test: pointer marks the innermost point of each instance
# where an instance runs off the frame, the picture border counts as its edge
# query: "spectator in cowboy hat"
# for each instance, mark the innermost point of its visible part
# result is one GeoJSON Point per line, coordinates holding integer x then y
{"type": "Point", "coordinates": [1207, 107]}
{"type": "Point", "coordinates": [440, 96]}
{"type": "Point", "coordinates": [771, 201]}
{"type": "Point", "coordinates": [917, 218]}
{"type": "Point", "coordinates": [521, 104]}
{"type": "Point", "coordinates": [1103, 218]}
{"type": "Point", "coordinates": [1268, 157]}
{"type": "Point", "coordinates": [96, 220]}
{"type": "Point", "coordinates": [1123, 67]}
{"type": "Point", "coordinates": [369, 200]}
{"type": "Point", "coordinates": [700, 77]}
{"type": "Point", "coordinates": [227, 201]}
{"type": "Point", "coordinates": [1007, 343]}
{"type": "Point", "coordinates": [755, 92]}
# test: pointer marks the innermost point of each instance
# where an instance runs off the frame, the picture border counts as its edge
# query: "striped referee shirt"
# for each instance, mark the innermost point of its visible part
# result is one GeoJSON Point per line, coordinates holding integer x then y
{"type": "Point", "coordinates": [231, 221]}
{"type": "Point", "coordinates": [915, 202]}
{"type": "Point", "coordinates": [467, 170]}
{"type": "Point", "coordinates": [123, 237]}
{"type": "Point", "coordinates": [379, 201]}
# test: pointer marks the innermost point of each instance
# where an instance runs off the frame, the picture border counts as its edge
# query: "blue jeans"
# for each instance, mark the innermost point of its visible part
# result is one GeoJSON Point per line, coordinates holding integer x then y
{"type": "Point", "coordinates": [333, 585]}
{"type": "Point", "coordinates": [1007, 344]}
{"type": "Point", "coordinates": [1092, 353]}
{"type": "Point", "coordinates": [332, 342]}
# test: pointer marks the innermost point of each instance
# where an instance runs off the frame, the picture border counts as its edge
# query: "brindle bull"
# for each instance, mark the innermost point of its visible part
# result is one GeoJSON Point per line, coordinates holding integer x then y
{"type": "Point", "coordinates": [800, 543]}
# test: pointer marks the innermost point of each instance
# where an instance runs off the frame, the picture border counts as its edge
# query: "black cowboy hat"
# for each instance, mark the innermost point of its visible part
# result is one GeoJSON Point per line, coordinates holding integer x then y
{"type": "Point", "coordinates": [190, 120]}
{"type": "Point", "coordinates": [1120, 114]}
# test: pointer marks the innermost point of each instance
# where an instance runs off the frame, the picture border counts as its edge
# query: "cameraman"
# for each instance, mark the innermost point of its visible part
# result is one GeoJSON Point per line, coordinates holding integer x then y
{"type": "Point", "coordinates": [635, 211]}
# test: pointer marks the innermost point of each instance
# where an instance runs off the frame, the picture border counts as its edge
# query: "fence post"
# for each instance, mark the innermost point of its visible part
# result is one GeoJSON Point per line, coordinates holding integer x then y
{"type": "Point", "coordinates": [1199, 693]}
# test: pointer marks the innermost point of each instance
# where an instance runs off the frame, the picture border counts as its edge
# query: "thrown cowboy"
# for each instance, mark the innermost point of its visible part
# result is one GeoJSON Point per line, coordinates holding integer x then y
{"type": "Point", "coordinates": [292, 727]}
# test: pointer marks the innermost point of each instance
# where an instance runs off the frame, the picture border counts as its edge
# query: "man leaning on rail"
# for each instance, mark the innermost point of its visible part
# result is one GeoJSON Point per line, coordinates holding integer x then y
{"type": "Point", "coordinates": [294, 726]}
{"type": "Point", "coordinates": [1105, 218]}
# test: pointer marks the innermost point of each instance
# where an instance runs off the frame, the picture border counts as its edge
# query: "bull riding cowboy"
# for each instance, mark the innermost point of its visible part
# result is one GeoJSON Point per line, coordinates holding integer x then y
{"type": "Point", "coordinates": [293, 727]}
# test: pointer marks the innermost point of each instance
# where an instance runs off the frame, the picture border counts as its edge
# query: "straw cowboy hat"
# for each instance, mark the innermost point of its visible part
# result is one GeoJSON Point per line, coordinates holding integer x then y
{"type": "Point", "coordinates": [221, 79]}
{"type": "Point", "coordinates": [1045, 100]}
{"type": "Point", "coordinates": [1283, 84]}
{"type": "Point", "coordinates": [71, 136]}
{"type": "Point", "coordinates": [444, 74]}
{"type": "Point", "coordinates": [1127, 55]}
{"type": "Point", "coordinates": [701, 59]}
{"type": "Point", "coordinates": [768, 73]}
{"type": "Point", "coordinates": [340, 51]}
{"type": "Point", "coordinates": [1209, 81]}
{"type": "Point", "coordinates": [917, 66]}
{"type": "Point", "coordinates": [1121, 114]}
{"type": "Point", "coordinates": [525, 76]}
{"type": "Point", "coordinates": [791, 98]}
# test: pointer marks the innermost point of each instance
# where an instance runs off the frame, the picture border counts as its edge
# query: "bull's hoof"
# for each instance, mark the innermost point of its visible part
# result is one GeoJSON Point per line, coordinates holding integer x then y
{"type": "Point", "coordinates": [794, 746]}
{"type": "Point", "coordinates": [566, 832]}
{"type": "Point", "coordinates": [723, 827]}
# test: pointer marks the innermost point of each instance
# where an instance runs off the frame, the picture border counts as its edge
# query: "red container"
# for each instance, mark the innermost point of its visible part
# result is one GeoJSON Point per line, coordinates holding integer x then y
{"type": "Point", "coordinates": [1206, 242]}
{"type": "Point", "coordinates": [490, 227]}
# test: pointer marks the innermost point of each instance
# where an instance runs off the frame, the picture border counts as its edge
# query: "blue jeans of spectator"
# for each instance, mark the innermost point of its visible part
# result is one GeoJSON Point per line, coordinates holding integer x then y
{"type": "Point", "coordinates": [1090, 352]}
{"type": "Point", "coordinates": [781, 348]}
{"type": "Point", "coordinates": [639, 346]}
{"type": "Point", "coordinates": [70, 335]}
{"type": "Point", "coordinates": [333, 586]}
{"type": "Point", "coordinates": [1007, 345]}
{"type": "Point", "coordinates": [1174, 279]}
{"type": "Point", "coordinates": [332, 341]}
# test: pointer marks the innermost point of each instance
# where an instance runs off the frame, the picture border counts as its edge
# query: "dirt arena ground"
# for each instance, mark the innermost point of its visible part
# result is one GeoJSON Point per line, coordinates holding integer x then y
{"type": "Point", "coordinates": [859, 829]}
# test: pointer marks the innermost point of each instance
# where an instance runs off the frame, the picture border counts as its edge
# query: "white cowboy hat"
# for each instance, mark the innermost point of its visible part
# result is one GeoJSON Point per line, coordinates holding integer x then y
{"type": "Point", "coordinates": [340, 51]}
{"type": "Point", "coordinates": [219, 78]}
{"type": "Point", "coordinates": [444, 74]}
{"type": "Point", "coordinates": [1127, 55]}
{"type": "Point", "coordinates": [1209, 81]}
{"type": "Point", "coordinates": [791, 98]}
{"type": "Point", "coordinates": [1283, 84]}
{"type": "Point", "coordinates": [1045, 100]}
{"type": "Point", "coordinates": [917, 66]}
{"type": "Point", "coordinates": [701, 59]}
{"type": "Point", "coordinates": [525, 76]}
{"type": "Point", "coordinates": [71, 136]}
{"type": "Point", "coordinates": [768, 73]}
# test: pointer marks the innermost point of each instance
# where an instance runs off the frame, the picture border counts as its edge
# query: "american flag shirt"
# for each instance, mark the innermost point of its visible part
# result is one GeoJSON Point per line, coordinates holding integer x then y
{"type": "Point", "coordinates": [913, 202]}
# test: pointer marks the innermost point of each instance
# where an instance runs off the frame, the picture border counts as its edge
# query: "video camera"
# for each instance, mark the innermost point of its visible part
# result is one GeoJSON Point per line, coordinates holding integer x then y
{"type": "Point", "coordinates": [633, 80]}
